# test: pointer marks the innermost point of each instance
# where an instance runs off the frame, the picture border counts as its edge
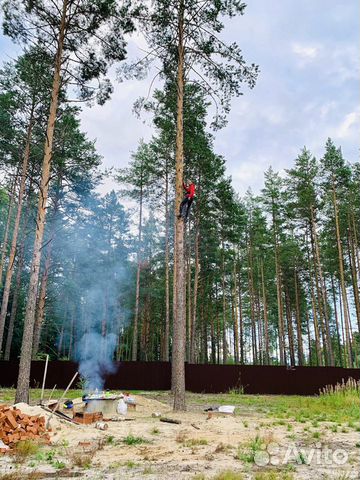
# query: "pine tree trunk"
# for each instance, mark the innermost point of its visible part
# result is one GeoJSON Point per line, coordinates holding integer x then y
{"type": "Point", "coordinates": [134, 353]}
{"type": "Point", "coordinates": [61, 338]}
{"type": "Point", "coordinates": [320, 303]}
{"type": "Point", "coordinates": [20, 265]}
{"type": "Point", "coordinates": [241, 321]}
{"type": "Point", "coordinates": [279, 295]}
{"type": "Point", "coordinates": [212, 339]}
{"type": "Point", "coordinates": [14, 306]}
{"type": "Point", "coordinates": [189, 303]}
{"type": "Point", "coordinates": [4, 245]}
{"type": "Point", "coordinates": [22, 391]}
{"type": "Point", "coordinates": [204, 354]}
{"type": "Point", "coordinates": [323, 311]}
{"type": "Point", "coordinates": [235, 317]}
{"type": "Point", "coordinates": [342, 279]}
{"type": "Point", "coordinates": [260, 329]}
{"type": "Point", "coordinates": [336, 320]}
{"type": "Point", "coordinates": [196, 283]}
{"type": "Point", "coordinates": [298, 321]}
{"type": "Point", "coordinates": [290, 327]}
{"type": "Point", "coordinates": [40, 313]}
{"type": "Point", "coordinates": [316, 325]}
{"type": "Point", "coordinates": [356, 244]}
{"type": "Point", "coordinates": [252, 305]}
{"type": "Point", "coordinates": [225, 347]}
{"type": "Point", "coordinates": [314, 311]}
{"type": "Point", "coordinates": [266, 319]}
{"type": "Point", "coordinates": [355, 285]}
{"type": "Point", "coordinates": [71, 334]}
{"type": "Point", "coordinates": [11, 263]}
{"type": "Point", "coordinates": [309, 337]}
{"type": "Point", "coordinates": [178, 350]}
{"type": "Point", "coordinates": [167, 273]}
{"type": "Point", "coordinates": [342, 326]}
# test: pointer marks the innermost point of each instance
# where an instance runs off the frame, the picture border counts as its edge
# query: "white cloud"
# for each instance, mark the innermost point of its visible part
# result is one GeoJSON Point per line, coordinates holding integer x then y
{"type": "Point", "coordinates": [305, 52]}
{"type": "Point", "coordinates": [350, 126]}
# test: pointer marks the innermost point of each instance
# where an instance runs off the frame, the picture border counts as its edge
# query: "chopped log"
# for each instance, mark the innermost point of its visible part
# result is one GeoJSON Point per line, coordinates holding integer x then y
{"type": "Point", "coordinates": [170, 420]}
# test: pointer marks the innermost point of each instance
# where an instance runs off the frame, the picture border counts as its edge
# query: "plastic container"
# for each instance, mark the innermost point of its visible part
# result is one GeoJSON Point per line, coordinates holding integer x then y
{"type": "Point", "coordinates": [121, 407]}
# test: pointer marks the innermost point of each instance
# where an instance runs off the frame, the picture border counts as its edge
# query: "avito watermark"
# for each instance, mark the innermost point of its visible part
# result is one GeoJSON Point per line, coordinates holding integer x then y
{"type": "Point", "coordinates": [275, 454]}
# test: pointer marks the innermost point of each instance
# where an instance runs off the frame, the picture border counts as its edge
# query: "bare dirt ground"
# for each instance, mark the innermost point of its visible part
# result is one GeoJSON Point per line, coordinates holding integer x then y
{"type": "Point", "coordinates": [257, 443]}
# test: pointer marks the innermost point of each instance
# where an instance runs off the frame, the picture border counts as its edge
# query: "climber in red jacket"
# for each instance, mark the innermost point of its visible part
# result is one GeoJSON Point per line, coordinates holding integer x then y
{"type": "Point", "coordinates": [188, 199]}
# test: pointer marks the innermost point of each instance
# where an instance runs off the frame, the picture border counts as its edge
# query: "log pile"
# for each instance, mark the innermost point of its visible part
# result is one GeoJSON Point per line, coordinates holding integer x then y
{"type": "Point", "coordinates": [16, 426]}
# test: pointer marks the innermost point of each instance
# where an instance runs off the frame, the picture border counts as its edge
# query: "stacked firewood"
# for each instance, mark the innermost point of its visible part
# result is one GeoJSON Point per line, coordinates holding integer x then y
{"type": "Point", "coordinates": [16, 426]}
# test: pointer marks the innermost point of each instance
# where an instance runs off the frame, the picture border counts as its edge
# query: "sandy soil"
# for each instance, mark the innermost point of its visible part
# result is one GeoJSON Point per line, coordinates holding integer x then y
{"type": "Point", "coordinates": [197, 446]}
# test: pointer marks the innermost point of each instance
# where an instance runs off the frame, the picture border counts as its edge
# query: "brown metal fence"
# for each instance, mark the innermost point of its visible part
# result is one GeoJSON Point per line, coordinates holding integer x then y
{"type": "Point", "coordinates": [251, 379]}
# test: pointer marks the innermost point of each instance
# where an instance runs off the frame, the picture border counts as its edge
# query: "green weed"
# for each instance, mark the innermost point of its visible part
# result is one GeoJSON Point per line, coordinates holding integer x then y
{"type": "Point", "coordinates": [228, 475]}
{"type": "Point", "coordinates": [247, 454]}
{"type": "Point", "coordinates": [131, 440]}
{"type": "Point", "coordinates": [24, 450]}
{"type": "Point", "coordinates": [273, 476]}
{"type": "Point", "coordinates": [110, 440]}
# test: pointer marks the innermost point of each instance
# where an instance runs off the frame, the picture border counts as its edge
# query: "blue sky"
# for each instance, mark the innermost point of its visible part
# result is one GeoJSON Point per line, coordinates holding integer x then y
{"type": "Point", "coordinates": [308, 89]}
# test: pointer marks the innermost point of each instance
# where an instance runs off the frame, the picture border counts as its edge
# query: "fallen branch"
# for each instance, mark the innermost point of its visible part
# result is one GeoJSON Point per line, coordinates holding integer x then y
{"type": "Point", "coordinates": [170, 420]}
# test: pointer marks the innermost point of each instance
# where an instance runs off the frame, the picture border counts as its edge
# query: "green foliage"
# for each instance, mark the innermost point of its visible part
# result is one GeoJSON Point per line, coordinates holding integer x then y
{"type": "Point", "coordinates": [133, 440]}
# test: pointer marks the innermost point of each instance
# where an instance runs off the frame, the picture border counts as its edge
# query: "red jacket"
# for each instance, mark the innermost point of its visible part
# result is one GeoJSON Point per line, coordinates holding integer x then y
{"type": "Point", "coordinates": [190, 190]}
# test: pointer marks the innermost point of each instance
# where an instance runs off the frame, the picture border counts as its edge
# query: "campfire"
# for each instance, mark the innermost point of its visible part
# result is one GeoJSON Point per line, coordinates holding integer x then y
{"type": "Point", "coordinates": [101, 401]}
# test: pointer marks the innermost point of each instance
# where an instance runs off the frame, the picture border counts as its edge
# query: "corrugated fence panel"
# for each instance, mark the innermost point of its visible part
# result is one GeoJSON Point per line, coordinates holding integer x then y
{"type": "Point", "coordinates": [251, 379]}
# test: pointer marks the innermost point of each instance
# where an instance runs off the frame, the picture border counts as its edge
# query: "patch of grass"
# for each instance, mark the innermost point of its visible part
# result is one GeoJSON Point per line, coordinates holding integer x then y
{"type": "Point", "coordinates": [301, 459]}
{"type": "Point", "coordinates": [247, 454]}
{"type": "Point", "coordinates": [130, 464]}
{"type": "Point", "coordinates": [80, 460]}
{"type": "Point", "coordinates": [24, 450]}
{"type": "Point", "coordinates": [155, 431]}
{"type": "Point", "coordinates": [273, 476]}
{"type": "Point", "coordinates": [339, 405]}
{"type": "Point", "coordinates": [289, 467]}
{"type": "Point", "coordinates": [131, 440]}
{"type": "Point", "coordinates": [194, 442]}
{"type": "Point", "coordinates": [50, 456]}
{"type": "Point", "coordinates": [228, 475]}
{"type": "Point", "coordinates": [110, 440]}
{"type": "Point", "coordinates": [58, 464]}
{"type": "Point", "coordinates": [316, 434]}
